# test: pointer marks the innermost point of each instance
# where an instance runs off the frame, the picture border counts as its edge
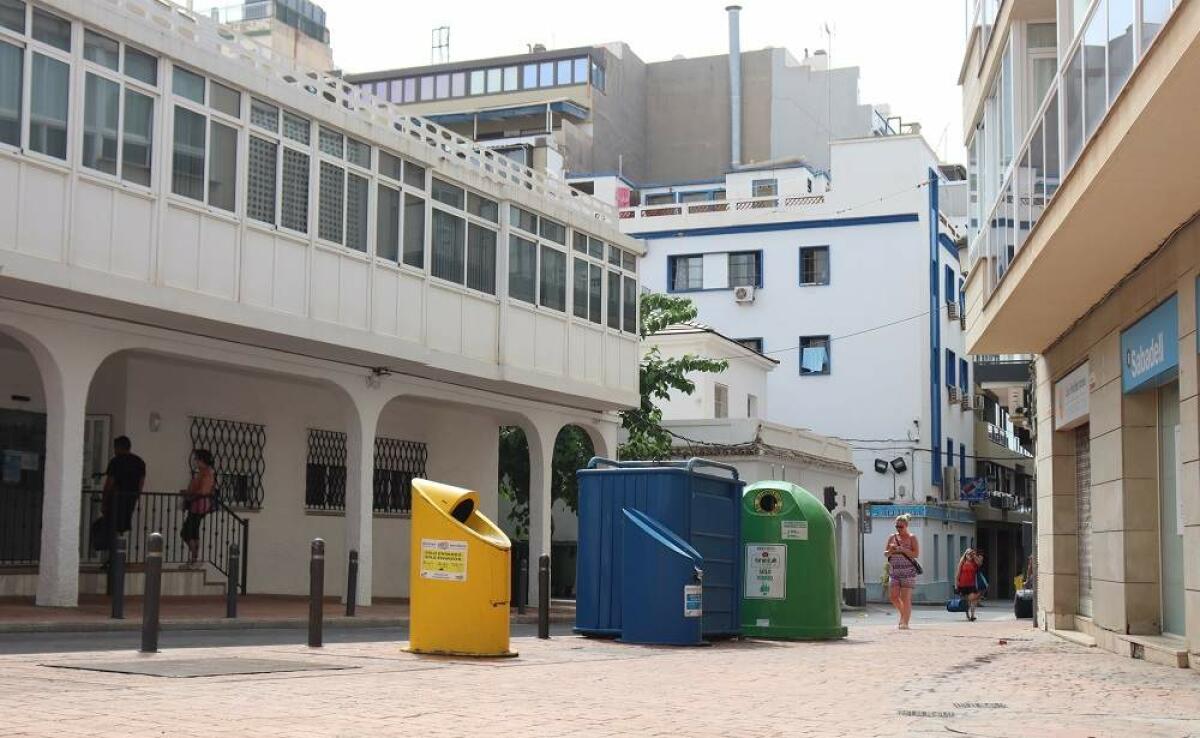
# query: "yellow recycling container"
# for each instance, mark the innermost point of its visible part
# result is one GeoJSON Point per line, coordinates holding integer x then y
{"type": "Point", "coordinates": [459, 579]}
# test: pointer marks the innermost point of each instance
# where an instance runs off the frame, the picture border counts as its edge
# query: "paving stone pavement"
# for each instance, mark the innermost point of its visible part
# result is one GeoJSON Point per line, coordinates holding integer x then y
{"type": "Point", "coordinates": [938, 679]}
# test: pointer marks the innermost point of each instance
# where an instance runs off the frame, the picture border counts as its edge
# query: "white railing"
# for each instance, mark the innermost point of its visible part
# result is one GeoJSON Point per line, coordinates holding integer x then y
{"type": "Point", "coordinates": [199, 30]}
{"type": "Point", "coordinates": [785, 202]}
{"type": "Point", "coordinates": [1002, 437]}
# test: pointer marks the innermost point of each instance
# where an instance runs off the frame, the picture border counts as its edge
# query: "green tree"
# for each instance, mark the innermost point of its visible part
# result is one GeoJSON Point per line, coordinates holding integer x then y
{"type": "Point", "coordinates": [572, 451]}
{"type": "Point", "coordinates": [659, 375]}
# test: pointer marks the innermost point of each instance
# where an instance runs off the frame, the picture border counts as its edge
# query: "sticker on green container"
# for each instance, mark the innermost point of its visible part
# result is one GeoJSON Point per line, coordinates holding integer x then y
{"type": "Point", "coordinates": [766, 571]}
{"type": "Point", "coordinates": [793, 530]}
{"type": "Point", "coordinates": [693, 600]}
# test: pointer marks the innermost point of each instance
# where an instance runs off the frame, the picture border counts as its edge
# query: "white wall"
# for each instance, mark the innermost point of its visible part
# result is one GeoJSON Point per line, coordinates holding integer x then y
{"type": "Point", "coordinates": [876, 308]}
{"type": "Point", "coordinates": [744, 376]}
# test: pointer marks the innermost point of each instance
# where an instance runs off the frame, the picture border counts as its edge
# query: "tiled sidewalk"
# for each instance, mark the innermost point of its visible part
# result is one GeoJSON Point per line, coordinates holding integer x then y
{"type": "Point", "coordinates": [979, 679]}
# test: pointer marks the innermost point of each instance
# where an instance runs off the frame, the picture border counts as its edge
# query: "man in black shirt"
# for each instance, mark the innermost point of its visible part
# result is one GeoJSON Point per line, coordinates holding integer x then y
{"type": "Point", "coordinates": [124, 478]}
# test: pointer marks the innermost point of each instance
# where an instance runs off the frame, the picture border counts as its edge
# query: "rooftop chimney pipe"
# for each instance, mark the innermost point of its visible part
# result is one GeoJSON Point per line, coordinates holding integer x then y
{"type": "Point", "coordinates": [735, 86]}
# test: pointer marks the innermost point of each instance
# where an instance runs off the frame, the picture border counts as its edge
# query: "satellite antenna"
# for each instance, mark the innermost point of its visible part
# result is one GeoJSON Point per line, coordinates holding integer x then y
{"type": "Point", "coordinates": [439, 52]}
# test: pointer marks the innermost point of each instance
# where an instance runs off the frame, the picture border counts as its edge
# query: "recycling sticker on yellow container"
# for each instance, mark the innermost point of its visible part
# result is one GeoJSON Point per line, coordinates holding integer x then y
{"type": "Point", "coordinates": [766, 571]}
{"type": "Point", "coordinates": [444, 560]}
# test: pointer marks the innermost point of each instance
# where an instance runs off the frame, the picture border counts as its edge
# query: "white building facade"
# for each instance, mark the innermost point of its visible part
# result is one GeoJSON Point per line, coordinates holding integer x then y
{"type": "Point", "coordinates": [200, 248]}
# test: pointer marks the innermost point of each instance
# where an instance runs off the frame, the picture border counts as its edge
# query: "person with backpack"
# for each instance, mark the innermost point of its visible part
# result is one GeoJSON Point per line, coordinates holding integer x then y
{"type": "Point", "coordinates": [966, 580]}
{"type": "Point", "coordinates": [198, 501]}
{"type": "Point", "coordinates": [902, 551]}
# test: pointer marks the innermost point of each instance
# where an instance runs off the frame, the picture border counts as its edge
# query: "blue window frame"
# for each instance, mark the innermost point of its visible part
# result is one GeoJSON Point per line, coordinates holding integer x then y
{"type": "Point", "coordinates": [963, 376]}
{"type": "Point", "coordinates": [685, 273]}
{"type": "Point", "coordinates": [745, 268]}
{"type": "Point", "coordinates": [814, 266]}
{"type": "Point", "coordinates": [951, 295]}
{"type": "Point", "coordinates": [815, 356]}
{"type": "Point", "coordinates": [949, 456]}
{"type": "Point", "coordinates": [951, 364]}
{"type": "Point", "coordinates": [962, 463]}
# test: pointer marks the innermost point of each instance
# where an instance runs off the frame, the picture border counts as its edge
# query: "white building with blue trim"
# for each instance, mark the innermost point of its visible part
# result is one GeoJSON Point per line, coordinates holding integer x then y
{"type": "Point", "coordinates": [851, 280]}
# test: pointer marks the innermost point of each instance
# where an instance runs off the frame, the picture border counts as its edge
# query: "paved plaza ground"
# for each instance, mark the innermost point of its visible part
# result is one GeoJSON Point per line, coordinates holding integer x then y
{"type": "Point", "coordinates": [995, 677]}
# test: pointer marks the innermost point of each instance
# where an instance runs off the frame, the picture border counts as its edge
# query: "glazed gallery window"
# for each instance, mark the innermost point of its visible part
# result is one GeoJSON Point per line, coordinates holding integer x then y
{"type": "Point", "coordinates": [204, 155]}
{"type": "Point", "coordinates": [344, 189]}
{"type": "Point", "coordinates": [118, 117]}
{"type": "Point", "coordinates": [464, 238]}
{"type": "Point", "coordinates": [38, 110]}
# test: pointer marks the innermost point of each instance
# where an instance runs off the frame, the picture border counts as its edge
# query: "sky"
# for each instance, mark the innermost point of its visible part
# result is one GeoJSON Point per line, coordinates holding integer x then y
{"type": "Point", "coordinates": [909, 51]}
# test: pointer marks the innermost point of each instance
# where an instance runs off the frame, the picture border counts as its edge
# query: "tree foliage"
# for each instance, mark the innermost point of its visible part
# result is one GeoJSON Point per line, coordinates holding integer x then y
{"type": "Point", "coordinates": [658, 376]}
{"type": "Point", "coordinates": [572, 451]}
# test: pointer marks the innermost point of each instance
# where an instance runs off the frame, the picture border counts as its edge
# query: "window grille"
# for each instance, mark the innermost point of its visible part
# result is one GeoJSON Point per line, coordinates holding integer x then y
{"type": "Point", "coordinates": [237, 450]}
{"type": "Point", "coordinates": [325, 473]}
{"type": "Point", "coordinates": [397, 463]}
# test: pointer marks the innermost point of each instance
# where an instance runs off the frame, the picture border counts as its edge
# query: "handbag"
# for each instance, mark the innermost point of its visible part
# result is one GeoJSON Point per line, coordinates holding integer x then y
{"type": "Point", "coordinates": [956, 604]}
{"type": "Point", "coordinates": [981, 583]}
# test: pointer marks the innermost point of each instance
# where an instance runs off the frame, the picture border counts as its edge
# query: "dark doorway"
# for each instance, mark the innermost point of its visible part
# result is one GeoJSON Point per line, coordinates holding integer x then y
{"type": "Point", "coordinates": [22, 479]}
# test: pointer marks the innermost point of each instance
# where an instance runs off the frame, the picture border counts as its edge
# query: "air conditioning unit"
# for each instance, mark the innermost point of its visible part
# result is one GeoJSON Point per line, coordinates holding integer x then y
{"type": "Point", "coordinates": [952, 310]}
{"type": "Point", "coordinates": [965, 401]}
{"type": "Point", "coordinates": [745, 293]}
{"type": "Point", "coordinates": [952, 393]}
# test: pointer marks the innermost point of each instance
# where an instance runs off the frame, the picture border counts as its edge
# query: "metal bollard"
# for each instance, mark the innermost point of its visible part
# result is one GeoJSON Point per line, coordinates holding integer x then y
{"type": "Point", "coordinates": [231, 584]}
{"type": "Point", "coordinates": [116, 573]}
{"type": "Point", "coordinates": [352, 584]}
{"type": "Point", "coordinates": [154, 556]}
{"type": "Point", "coordinates": [523, 583]}
{"type": "Point", "coordinates": [316, 593]}
{"type": "Point", "coordinates": [543, 596]}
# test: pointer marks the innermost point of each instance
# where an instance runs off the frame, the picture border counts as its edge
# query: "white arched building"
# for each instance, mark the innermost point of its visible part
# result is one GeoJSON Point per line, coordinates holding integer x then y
{"type": "Point", "coordinates": [203, 246]}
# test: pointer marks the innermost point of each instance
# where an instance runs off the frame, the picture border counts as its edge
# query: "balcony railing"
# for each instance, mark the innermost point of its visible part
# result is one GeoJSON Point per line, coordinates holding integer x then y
{"type": "Point", "coordinates": [1085, 86]}
{"type": "Point", "coordinates": [1001, 437]}
{"type": "Point", "coordinates": [774, 202]}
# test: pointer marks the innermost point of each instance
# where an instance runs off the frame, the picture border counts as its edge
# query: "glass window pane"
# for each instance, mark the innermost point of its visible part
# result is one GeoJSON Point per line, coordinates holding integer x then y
{"type": "Point", "coordinates": [442, 86]}
{"type": "Point", "coordinates": [331, 205]}
{"type": "Point", "coordinates": [48, 108]}
{"type": "Point", "coordinates": [52, 30]}
{"type": "Point", "coordinates": [11, 75]}
{"type": "Point", "coordinates": [188, 85]}
{"type": "Point", "coordinates": [414, 175]}
{"type": "Point", "coordinates": [1052, 154]}
{"type": "Point", "coordinates": [522, 219]}
{"type": "Point", "coordinates": [614, 256]}
{"type": "Point", "coordinates": [510, 79]}
{"type": "Point", "coordinates": [556, 232]}
{"type": "Point", "coordinates": [331, 142]}
{"type": "Point", "coordinates": [579, 242]}
{"type": "Point", "coordinates": [595, 248]}
{"type": "Point", "coordinates": [101, 112]}
{"type": "Point", "coordinates": [225, 99]}
{"type": "Point", "coordinates": [264, 115]}
{"type": "Point", "coordinates": [357, 195]}
{"type": "Point", "coordinates": [387, 223]}
{"type": "Point", "coordinates": [814, 355]}
{"type": "Point", "coordinates": [187, 166]}
{"type": "Point", "coordinates": [564, 72]}
{"type": "Point", "coordinates": [1072, 101]}
{"type": "Point", "coordinates": [529, 74]}
{"type": "Point", "coordinates": [449, 240]}
{"type": "Point", "coordinates": [595, 290]}
{"type": "Point", "coordinates": [446, 193]}
{"type": "Point", "coordinates": [579, 288]}
{"type": "Point", "coordinates": [410, 90]}
{"type": "Point", "coordinates": [222, 167]}
{"type": "Point", "coordinates": [391, 166]}
{"type": "Point", "coordinates": [296, 128]}
{"type": "Point", "coordinates": [522, 269]}
{"type": "Point", "coordinates": [483, 207]}
{"type": "Point", "coordinates": [546, 74]}
{"type": "Point", "coordinates": [481, 259]}
{"type": "Point", "coordinates": [628, 262]}
{"type": "Point", "coordinates": [414, 231]}
{"type": "Point", "coordinates": [260, 180]}
{"type": "Point", "coordinates": [554, 279]}
{"type": "Point", "coordinates": [358, 153]}
{"type": "Point", "coordinates": [581, 71]}
{"type": "Point", "coordinates": [493, 81]}
{"type": "Point", "coordinates": [477, 82]}
{"type": "Point", "coordinates": [394, 92]}
{"type": "Point", "coordinates": [630, 303]}
{"type": "Point", "coordinates": [101, 49]}
{"type": "Point", "coordinates": [427, 88]}
{"type": "Point", "coordinates": [1120, 45]}
{"type": "Point", "coordinates": [293, 202]}
{"type": "Point", "coordinates": [458, 84]}
{"type": "Point", "coordinates": [1154, 15]}
{"type": "Point", "coordinates": [12, 15]}
{"type": "Point", "coordinates": [614, 300]}
{"type": "Point", "coordinates": [1095, 98]}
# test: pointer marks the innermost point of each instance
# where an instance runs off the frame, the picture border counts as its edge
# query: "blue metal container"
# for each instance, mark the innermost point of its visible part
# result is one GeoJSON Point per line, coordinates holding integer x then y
{"type": "Point", "coordinates": [661, 576]}
{"type": "Point", "coordinates": [701, 507]}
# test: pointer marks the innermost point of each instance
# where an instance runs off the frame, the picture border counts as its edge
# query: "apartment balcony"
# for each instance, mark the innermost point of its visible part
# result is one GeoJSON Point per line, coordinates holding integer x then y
{"type": "Point", "coordinates": [1002, 370]}
{"type": "Point", "coordinates": [667, 216]}
{"type": "Point", "coordinates": [1105, 174]}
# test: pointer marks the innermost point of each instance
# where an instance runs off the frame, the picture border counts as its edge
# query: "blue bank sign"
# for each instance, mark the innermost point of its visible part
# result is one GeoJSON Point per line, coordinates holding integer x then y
{"type": "Point", "coordinates": [1150, 348]}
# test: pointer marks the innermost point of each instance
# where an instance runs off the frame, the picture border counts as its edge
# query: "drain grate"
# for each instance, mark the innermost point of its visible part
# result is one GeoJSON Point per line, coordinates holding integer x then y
{"type": "Point", "coordinates": [925, 713]}
{"type": "Point", "coordinates": [980, 705]}
{"type": "Point", "coordinates": [191, 668]}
